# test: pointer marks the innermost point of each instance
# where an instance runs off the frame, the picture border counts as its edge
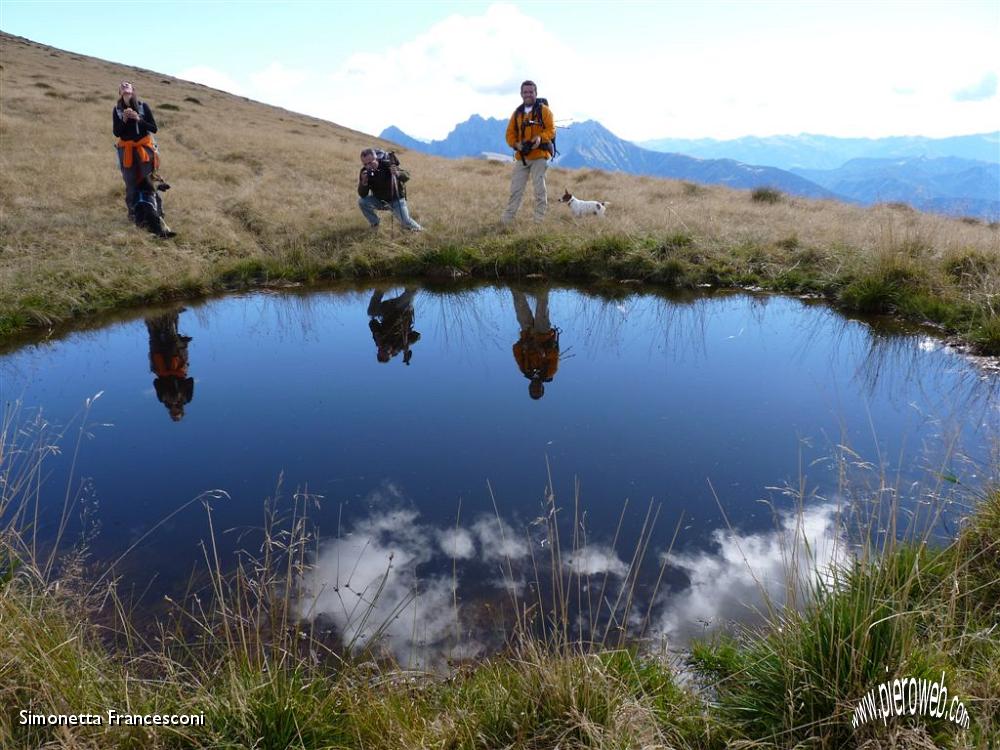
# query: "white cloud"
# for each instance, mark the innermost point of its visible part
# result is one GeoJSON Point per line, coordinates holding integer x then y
{"type": "Point", "coordinates": [366, 583]}
{"type": "Point", "coordinates": [596, 560]}
{"type": "Point", "coordinates": [281, 81]}
{"type": "Point", "coordinates": [457, 544]}
{"type": "Point", "coordinates": [217, 79]}
{"type": "Point", "coordinates": [985, 88]}
{"type": "Point", "coordinates": [499, 542]}
{"type": "Point", "coordinates": [823, 74]}
{"type": "Point", "coordinates": [729, 583]}
{"type": "Point", "coordinates": [370, 585]}
{"type": "Point", "coordinates": [460, 66]}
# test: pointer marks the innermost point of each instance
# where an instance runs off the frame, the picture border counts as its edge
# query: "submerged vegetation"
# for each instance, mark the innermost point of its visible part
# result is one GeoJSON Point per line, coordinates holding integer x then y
{"type": "Point", "coordinates": [245, 670]}
{"type": "Point", "coordinates": [274, 204]}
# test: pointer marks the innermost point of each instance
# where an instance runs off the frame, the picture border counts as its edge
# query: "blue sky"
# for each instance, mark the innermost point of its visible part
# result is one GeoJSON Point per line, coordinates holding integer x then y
{"type": "Point", "coordinates": [645, 70]}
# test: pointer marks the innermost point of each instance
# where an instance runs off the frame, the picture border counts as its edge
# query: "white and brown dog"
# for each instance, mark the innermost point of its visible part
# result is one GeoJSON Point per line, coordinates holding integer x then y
{"type": "Point", "coordinates": [583, 208]}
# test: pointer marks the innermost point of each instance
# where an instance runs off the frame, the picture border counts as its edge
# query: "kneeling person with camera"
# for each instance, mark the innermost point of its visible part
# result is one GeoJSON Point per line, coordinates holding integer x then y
{"type": "Point", "coordinates": [381, 188]}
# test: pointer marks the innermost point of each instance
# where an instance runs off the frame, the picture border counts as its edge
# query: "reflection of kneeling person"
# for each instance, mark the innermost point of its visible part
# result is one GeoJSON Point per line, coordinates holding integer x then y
{"type": "Point", "coordinates": [168, 360]}
{"type": "Point", "coordinates": [537, 350]}
{"type": "Point", "coordinates": [381, 188]}
{"type": "Point", "coordinates": [391, 325]}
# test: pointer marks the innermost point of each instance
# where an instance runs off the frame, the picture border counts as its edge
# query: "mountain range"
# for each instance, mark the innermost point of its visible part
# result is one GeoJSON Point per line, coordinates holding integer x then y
{"type": "Point", "coordinates": [948, 185]}
{"type": "Point", "coordinates": [959, 176]}
{"type": "Point", "coordinates": [590, 144]}
{"type": "Point", "coordinates": [809, 151]}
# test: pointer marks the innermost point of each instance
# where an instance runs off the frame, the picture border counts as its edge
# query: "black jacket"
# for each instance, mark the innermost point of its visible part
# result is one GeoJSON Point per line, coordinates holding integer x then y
{"type": "Point", "coordinates": [380, 184]}
{"type": "Point", "coordinates": [133, 130]}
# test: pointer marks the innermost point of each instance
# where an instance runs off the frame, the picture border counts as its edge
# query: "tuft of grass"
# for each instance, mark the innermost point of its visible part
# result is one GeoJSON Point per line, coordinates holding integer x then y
{"type": "Point", "coordinates": [882, 289]}
{"type": "Point", "coordinates": [675, 241]}
{"type": "Point", "coordinates": [766, 195]}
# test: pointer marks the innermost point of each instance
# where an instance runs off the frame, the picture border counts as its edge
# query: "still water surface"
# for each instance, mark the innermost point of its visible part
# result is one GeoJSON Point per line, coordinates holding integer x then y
{"type": "Point", "coordinates": [407, 414]}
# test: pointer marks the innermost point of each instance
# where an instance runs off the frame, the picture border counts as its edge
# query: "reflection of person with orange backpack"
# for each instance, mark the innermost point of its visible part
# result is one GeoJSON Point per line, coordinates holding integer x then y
{"type": "Point", "coordinates": [537, 350]}
{"type": "Point", "coordinates": [168, 360]}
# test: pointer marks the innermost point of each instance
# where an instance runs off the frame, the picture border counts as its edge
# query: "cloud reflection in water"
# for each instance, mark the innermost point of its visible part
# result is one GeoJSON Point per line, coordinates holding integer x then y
{"type": "Point", "coordinates": [732, 581]}
{"type": "Point", "coordinates": [390, 579]}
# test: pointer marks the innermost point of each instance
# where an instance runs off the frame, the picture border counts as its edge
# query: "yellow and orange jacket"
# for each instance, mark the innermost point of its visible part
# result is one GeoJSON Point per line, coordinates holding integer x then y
{"type": "Point", "coordinates": [546, 129]}
{"type": "Point", "coordinates": [537, 354]}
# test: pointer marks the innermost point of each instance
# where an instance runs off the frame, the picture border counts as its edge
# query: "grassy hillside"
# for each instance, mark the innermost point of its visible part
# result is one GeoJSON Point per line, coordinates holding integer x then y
{"type": "Point", "coordinates": [265, 196]}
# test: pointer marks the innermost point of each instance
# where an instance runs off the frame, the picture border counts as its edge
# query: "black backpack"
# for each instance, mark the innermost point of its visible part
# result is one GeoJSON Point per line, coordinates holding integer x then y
{"type": "Point", "coordinates": [536, 114]}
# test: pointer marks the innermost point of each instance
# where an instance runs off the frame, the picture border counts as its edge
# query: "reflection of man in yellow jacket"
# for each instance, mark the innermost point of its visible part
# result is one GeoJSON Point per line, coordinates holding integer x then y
{"type": "Point", "coordinates": [530, 133]}
{"type": "Point", "coordinates": [537, 350]}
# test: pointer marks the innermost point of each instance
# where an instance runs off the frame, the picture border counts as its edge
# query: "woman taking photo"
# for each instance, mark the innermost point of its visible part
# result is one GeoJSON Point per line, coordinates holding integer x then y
{"type": "Point", "coordinates": [138, 159]}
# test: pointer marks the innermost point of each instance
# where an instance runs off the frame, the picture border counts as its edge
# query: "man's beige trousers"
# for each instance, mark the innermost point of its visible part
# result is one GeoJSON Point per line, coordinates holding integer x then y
{"type": "Point", "coordinates": [535, 169]}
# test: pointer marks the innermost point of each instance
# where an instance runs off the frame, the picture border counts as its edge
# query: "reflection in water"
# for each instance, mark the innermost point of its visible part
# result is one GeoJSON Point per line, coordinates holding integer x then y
{"type": "Point", "coordinates": [168, 360]}
{"type": "Point", "coordinates": [537, 350]}
{"type": "Point", "coordinates": [747, 571]}
{"type": "Point", "coordinates": [372, 583]}
{"type": "Point", "coordinates": [730, 388]}
{"type": "Point", "coordinates": [386, 582]}
{"type": "Point", "coordinates": [596, 560]}
{"type": "Point", "coordinates": [391, 324]}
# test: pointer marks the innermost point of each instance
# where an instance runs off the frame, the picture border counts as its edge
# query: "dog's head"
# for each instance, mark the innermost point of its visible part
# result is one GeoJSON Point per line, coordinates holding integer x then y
{"type": "Point", "coordinates": [566, 197]}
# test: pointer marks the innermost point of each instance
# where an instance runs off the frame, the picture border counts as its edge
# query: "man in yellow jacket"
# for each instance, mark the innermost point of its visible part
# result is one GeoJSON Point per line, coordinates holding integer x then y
{"type": "Point", "coordinates": [530, 133]}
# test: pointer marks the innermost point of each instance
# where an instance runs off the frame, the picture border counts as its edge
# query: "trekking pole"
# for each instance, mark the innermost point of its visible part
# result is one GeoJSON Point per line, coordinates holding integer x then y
{"type": "Point", "coordinates": [394, 193]}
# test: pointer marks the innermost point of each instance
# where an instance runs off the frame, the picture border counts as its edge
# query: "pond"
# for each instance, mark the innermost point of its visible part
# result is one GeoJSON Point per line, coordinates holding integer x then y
{"type": "Point", "coordinates": [699, 433]}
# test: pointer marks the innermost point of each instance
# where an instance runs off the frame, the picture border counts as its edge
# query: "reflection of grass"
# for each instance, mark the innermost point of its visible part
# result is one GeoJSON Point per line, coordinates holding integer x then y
{"type": "Point", "coordinates": [264, 678]}
{"type": "Point", "coordinates": [280, 195]}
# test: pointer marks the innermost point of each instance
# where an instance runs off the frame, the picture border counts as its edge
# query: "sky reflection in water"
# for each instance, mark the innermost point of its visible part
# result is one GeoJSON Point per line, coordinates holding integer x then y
{"type": "Point", "coordinates": [408, 413]}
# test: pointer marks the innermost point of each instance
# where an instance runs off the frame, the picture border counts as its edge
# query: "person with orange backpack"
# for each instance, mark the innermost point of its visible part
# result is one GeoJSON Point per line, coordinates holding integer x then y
{"type": "Point", "coordinates": [531, 132]}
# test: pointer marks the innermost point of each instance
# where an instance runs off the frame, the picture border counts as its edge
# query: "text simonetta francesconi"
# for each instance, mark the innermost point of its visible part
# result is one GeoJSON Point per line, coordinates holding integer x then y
{"type": "Point", "coordinates": [111, 717]}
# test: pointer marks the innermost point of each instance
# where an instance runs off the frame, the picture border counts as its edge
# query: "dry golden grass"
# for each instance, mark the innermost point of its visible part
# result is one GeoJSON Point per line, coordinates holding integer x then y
{"type": "Point", "coordinates": [262, 195]}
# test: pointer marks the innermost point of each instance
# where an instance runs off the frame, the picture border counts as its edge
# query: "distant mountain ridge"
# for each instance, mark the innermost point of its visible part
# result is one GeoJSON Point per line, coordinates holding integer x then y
{"type": "Point", "coordinates": [590, 144]}
{"type": "Point", "coordinates": [810, 151]}
{"type": "Point", "coordinates": [946, 185]}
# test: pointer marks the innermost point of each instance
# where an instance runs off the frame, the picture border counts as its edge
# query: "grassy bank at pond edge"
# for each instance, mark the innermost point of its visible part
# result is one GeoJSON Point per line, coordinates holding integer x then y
{"type": "Point", "coordinates": [264, 197]}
